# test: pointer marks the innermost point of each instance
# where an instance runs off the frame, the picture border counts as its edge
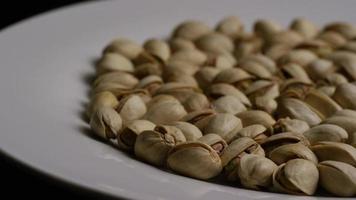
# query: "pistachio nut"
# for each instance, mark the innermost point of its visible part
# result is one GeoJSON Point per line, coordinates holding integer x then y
{"type": "Point", "coordinates": [337, 151]}
{"type": "Point", "coordinates": [111, 62]}
{"type": "Point", "coordinates": [125, 47]}
{"type": "Point", "coordinates": [192, 56]}
{"type": "Point", "coordinates": [153, 146]}
{"type": "Point", "coordinates": [224, 124]}
{"type": "Point", "coordinates": [194, 159]}
{"type": "Point", "coordinates": [256, 69]}
{"type": "Point", "coordinates": [350, 46]}
{"type": "Point", "coordinates": [126, 80]}
{"type": "Point", "coordinates": [319, 68]}
{"type": "Point", "coordinates": [304, 27]}
{"type": "Point", "coordinates": [262, 88]}
{"type": "Point", "coordinates": [287, 152]}
{"type": "Point", "coordinates": [191, 132]}
{"type": "Point", "coordinates": [276, 51]}
{"type": "Point", "coordinates": [346, 61]}
{"type": "Point", "coordinates": [178, 68]}
{"type": "Point", "coordinates": [290, 125]}
{"type": "Point", "coordinates": [215, 43]}
{"type": "Point", "coordinates": [346, 113]}
{"type": "Point", "coordinates": [327, 90]}
{"type": "Point", "coordinates": [185, 79]}
{"type": "Point", "coordinates": [286, 37]}
{"type": "Point", "coordinates": [295, 71]}
{"type": "Point", "coordinates": [147, 69]}
{"type": "Point", "coordinates": [228, 104]}
{"type": "Point", "coordinates": [326, 132]}
{"type": "Point", "coordinates": [246, 48]}
{"type": "Point", "coordinates": [300, 56]}
{"type": "Point", "coordinates": [177, 44]}
{"type": "Point", "coordinates": [106, 122]}
{"type": "Point", "coordinates": [297, 176]}
{"type": "Point", "coordinates": [150, 83]}
{"type": "Point", "coordinates": [317, 46]}
{"type": "Point", "coordinates": [158, 48]}
{"type": "Point", "coordinates": [215, 141]}
{"type": "Point", "coordinates": [256, 171]}
{"type": "Point", "coordinates": [205, 76]}
{"type": "Point", "coordinates": [101, 99]}
{"type": "Point", "coordinates": [345, 95]}
{"type": "Point", "coordinates": [266, 28]}
{"type": "Point", "coordinates": [347, 123]}
{"type": "Point", "coordinates": [251, 117]}
{"type": "Point", "coordinates": [191, 30]}
{"type": "Point", "coordinates": [164, 112]}
{"type": "Point", "coordinates": [131, 107]}
{"type": "Point", "coordinates": [230, 26]}
{"type": "Point", "coordinates": [266, 104]}
{"type": "Point", "coordinates": [196, 101]}
{"type": "Point", "coordinates": [333, 38]}
{"type": "Point", "coordinates": [181, 91]}
{"type": "Point", "coordinates": [256, 131]}
{"type": "Point", "coordinates": [221, 89]}
{"type": "Point", "coordinates": [234, 76]}
{"type": "Point", "coordinates": [338, 178]}
{"type": "Point", "coordinates": [127, 137]}
{"type": "Point", "coordinates": [199, 118]}
{"type": "Point", "coordinates": [146, 57]}
{"type": "Point", "coordinates": [345, 29]}
{"type": "Point", "coordinates": [263, 60]}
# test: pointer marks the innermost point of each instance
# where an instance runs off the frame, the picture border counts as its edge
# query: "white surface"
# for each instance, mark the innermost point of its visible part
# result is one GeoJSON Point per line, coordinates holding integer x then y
{"type": "Point", "coordinates": [42, 64]}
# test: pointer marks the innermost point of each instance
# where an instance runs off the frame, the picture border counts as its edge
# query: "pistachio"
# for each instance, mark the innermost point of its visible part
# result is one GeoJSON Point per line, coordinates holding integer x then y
{"type": "Point", "coordinates": [345, 29]}
{"type": "Point", "coordinates": [192, 56]}
{"type": "Point", "coordinates": [230, 26]}
{"type": "Point", "coordinates": [101, 99]}
{"type": "Point", "coordinates": [338, 178]}
{"type": "Point", "coordinates": [317, 46]}
{"type": "Point", "coordinates": [326, 132]}
{"type": "Point", "coordinates": [191, 132]}
{"type": "Point", "coordinates": [125, 47]}
{"type": "Point", "coordinates": [123, 79]}
{"type": "Point", "coordinates": [345, 95]}
{"type": "Point", "coordinates": [304, 27]}
{"type": "Point", "coordinates": [153, 146]}
{"type": "Point", "coordinates": [127, 137]}
{"type": "Point", "coordinates": [196, 101]}
{"type": "Point", "coordinates": [287, 152]}
{"type": "Point", "coordinates": [319, 68]}
{"type": "Point", "coordinates": [256, 131]}
{"type": "Point", "coordinates": [263, 60]}
{"type": "Point", "coordinates": [147, 69]}
{"type": "Point", "coordinates": [346, 113]}
{"type": "Point", "coordinates": [335, 151]}
{"type": "Point", "coordinates": [228, 104]}
{"type": "Point", "coordinates": [194, 159]}
{"type": "Point", "coordinates": [106, 122]}
{"type": "Point", "coordinates": [150, 83]}
{"type": "Point", "coordinates": [221, 61]}
{"type": "Point", "coordinates": [296, 71]}
{"type": "Point", "coordinates": [205, 76]}
{"type": "Point", "coordinates": [327, 90]}
{"type": "Point", "coordinates": [235, 76]}
{"type": "Point", "coordinates": [215, 43]}
{"type": "Point", "coordinates": [266, 104]}
{"type": "Point", "coordinates": [333, 38]}
{"type": "Point", "coordinates": [215, 141]}
{"type": "Point", "coordinates": [111, 62]}
{"type": "Point", "coordinates": [262, 88]}
{"type": "Point", "coordinates": [224, 124]}
{"type": "Point", "coordinates": [191, 30]}
{"type": "Point", "coordinates": [222, 89]}
{"type": "Point", "coordinates": [146, 57]}
{"type": "Point", "coordinates": [181, 91]}
{"type": "Point", "coordinates": [165, 112]}
{"type": "Point", "coordinates": [178, 44]}
{"type": "Point", "coordinates": [131, 108]}
{"type": "Point", "coordinates": [297, 176]}
{"type": "Point", "coordinates": [256, 171]}
{"type": "Point", "coordinates": [199, 118]}
{"type": "Point", "coordinates": [178, 68]}
{"type": "Point", "coordinates": [290, 125]}
{"type": "Point", "coordinates": [350, 46]}
{"type": "Point", "coordinates": [266, 28]}
{"type": "Point", "coordinates": [288, 37]}
{"type": "Point", "coordinates": [276, 51]}
{"type": "Point", "coordinates": [157, 48]}
{"type": "Point", "coordinates": [346, 60]}
{"type": "Point", "coordinates": [347, 123]}
{"type": "Point", "coordinates": [300, 56]}
{"type": "Point", "coordinates": [251, 117]}
{"type": "Point", "coordinates": [256, 69]}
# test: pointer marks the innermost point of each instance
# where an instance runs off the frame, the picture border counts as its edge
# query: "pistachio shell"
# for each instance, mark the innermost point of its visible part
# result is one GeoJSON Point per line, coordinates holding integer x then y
{"type": "Point", "coordinates": [350, 46]}
{"type": "Point", "coordinates": [345, 95]}
{"type": "Point", "coordinates": [323, 104]}
{"type": "Point", "coordinates": [215, 141]}
{"type": "Point", "coordinates": [221, 89]}
{"type": "Point", "coordinates": [153, 146]}
{"type": "Point", "coordinates": [256, 171]}
{"type": "Point", "coordinates": [335, 79]}
{"type": "Point", "coordinates": [276, 51]}
{"type": "Point", "coordinates": [346, 60]}
{"type": "Point", "coordinates": [297, 176]}
{"type": "Point", "coordinates": [266, 104]}
{"type": "Point", "coordinates": [300, 56]}
{"type": "Point", "coordinates": [228, 104]}
{"type": "Point", "coordinates": [347, 123]}
{"type": "Point", "coordinates": [178, 44]}
{"type": "Point", "coordinates": [256, 69]}
{"type": "Point", "coordinates": [191, 132]}
{"type": "Point", "coordinates": [196, 101]}
{"type": "Point", "coordinates": [319, 68]}
{"type": "Point", "coordinates": [326, 132]}
{"type": "Point", "coordinates": [158, 48]}
{"type": "Point", "coordinates": [262, 88]}
{"type": "Point", "coordinates": [327, 90]}
{"type": "Point", "coordinates": [247, 48]}
{"type": "Point", "coordinates": [215, 43]}
{"type": "Point", "coordinates": [338, 178]}
{"type": "Point", "coordinates": [251, 117]}
{"type": "Point", "coordinates": [181, 91]}
{"type": "Point", "coordinates": [165, 112]}
{"type": "Point", "coordinates": [195, 159]}
{"type": "Point", "coordinates": [221, 61]}
{"type": "Point", "coordinates": [131, 108]}
{"type": "Point", "coordinates": [125, 47]}
{"type": "Point", "coordinates": [192, 56]}
{"type": "Point", "coordinates": [335, 151]}
{"type": "Point", "coordinates": [191, 30]}
{"type": "Point", "coordinates": [232, 76]}
{"type": "Point", "coordinates": [304, 27]}
{"type": "Point", "coordinates": [230, 26]}
{"type": "Point", "coordinates": [106, 122]}
{"type": "Point", "coordinates": [101, 99]}
{"type": "Point", "coordinates": [287, 152]}
{"type": "Point", "coordinates": [333, 38]}
{"type": "Point", "coordinates": [224, 124]}
{"type": "Point", "coordinates": [147, 69]}
{"type": "Point", "coordinates": [151, 83]}
{"type": "Point", "coordinates": [317, 46]}
{"type": "Point", "coordinates": [256, 132]}
{"type": "Point", "coordinates": [346, 113]}
{"type": "Point", "coordinates": [266, 28]}
{"type": "Point", "coordinates": [199, 118]}
{"type": "Point", "coordinates": [121, 78]}
{"type": "Point", "coordinates": [345, 29]}
{"type": "Point", "coordinates": [111, 62]}
{"type": "Point", "coordinates": [205, 76]}
{"type": "Point", "coordinates": [127, 136]}
{"type": "Point", "coordinates": [288, 37]}
{"type": "Point", "coordinates": [290, 125]}
{"type": "Point", "coordinates": [263, 60]}
{"type": "Point", "coordinates": [296, 71]}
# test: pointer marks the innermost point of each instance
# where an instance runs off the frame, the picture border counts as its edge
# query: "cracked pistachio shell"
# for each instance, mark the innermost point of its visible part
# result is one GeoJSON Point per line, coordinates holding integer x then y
{"type": "Point", "coordinates": [286, 37]}
{"type": "Point", "coordinates": [334, 39]}
{"type": "Point", "coordinates": [181, 91]}
{"type": "Point", "coordinates": [297, 109]}
{"type": "Point", "coordinates": [125, 47]}
{"type": "Point", "coordinates": [294, 88]}
{"type": "Point", "coordinates": [153, 146]}
{"type": "Point", "coordinates": [245, 48]}
{"type": "Point", "coordinates": [266, 28]}
{"type": "Point", "coordinates": [317, 46]}
{"type": "Point", "coordinates": [196, 101]}
{"type": "Point", "coordinates": [150, 83]}
{"type": "Point", "coordinates": [205, 76]}
{"type": "Point", "coordinates": [111, 62]}
{"type": "Point", "coordinates": [179, 67]}
{"type": "Point", "coordinates": [127, 136]}
{"type": "Point", "coordinates": [177, 44]}
{"type": "Point", "coordinates": [185, 79]}
{"type": "Point", "coordinates": [251, 117]}
{"type": "Point", "coordinates": [326, 132]}
{"type": "Point", "coordinates": [199, 118]}
{"type": "Point", "coordinates": [346, 113]}
{"type": "Point", "coordinates": [345, 29]}
{"type": "Point", "coordinates": [121, 78]}
{"type": "Point", "coordinates": [215, 141]}
{"type": "Point", "coordinates": [106, 122]}
{"type": "Point", "coordinates": [297, 176]}
{"type": "Point", "coordinates": [221, 61]}
{"type": "Point", "coordinates": [319, 68]}
{"type": "Point", "coordinates": [262, 88]}
{"type": "Point", "coordinates": [195, 159]}
{"type": "Point", "coordinates": [232, 76]}
{"type": "Point", "coordinates": [290, 125]}
{"type": "Point", "coordinates": [224, 124]}
{"type": "Point", "coordinates": [346, 60]}
{"type": "Point", "coordinates": [191, 30]}
{"type": "Point", "coordinates": [221, 89]}
{"type": "Point", "coordinates": [164, 111]}
{"type": "Point", "coordinates": [327, 90]}
{"type": "Point", "coordinates": [256, 171]}
{"type": "Point", "coordinates": [263, 60]}
{"type": "Point", "coordinates": [347, 123]}
{"type": "Point", "coordinates": [256, 69]}
{"type": "Point", "coordinates": [345, 95]}
{"type": "Point", "coordinates": [256, 132]}
{"type": "Point", "coordinates": [299, 56]}
{"type": "Point", "coordinates": [276, 51]}
{"type": "Point", "coordinates": [338, 178]}
{"type": "Point", "coordinates": [287, 152]}
{"type": "Point", "coordinates": [335, 151]}
{"type": "Point", "coordinates": [266, 104]}
{"type": "Point", "coordinates": [230, 26]}
{"type": "Point", "coordinates": [158, 48]}
{"type": "Point", "coordinates": [147, 69]}
{"type": "Point", "coordinates": [192, 56]}
{"type": "Point", "coordinates": [191, 132]}
{"type": "Point", "coordinates": [101, 99]}
{"type": "Point", "coordinates": [304, 27]}
{"type": "Point", "coordinates": [296, 71]}
{"type": "Point", "coordinates": [215, 43]}
{"type": "Point", "coordinates": [131, 107]}
{"type": "Point", "coordinates": [228, 104]}
{"type": "Point", "coordinates": [274, 141]}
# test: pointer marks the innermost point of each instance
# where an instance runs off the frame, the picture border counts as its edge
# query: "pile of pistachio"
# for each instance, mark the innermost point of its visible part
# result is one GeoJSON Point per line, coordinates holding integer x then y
{"type": "Point", "coordinates": [272, 109]}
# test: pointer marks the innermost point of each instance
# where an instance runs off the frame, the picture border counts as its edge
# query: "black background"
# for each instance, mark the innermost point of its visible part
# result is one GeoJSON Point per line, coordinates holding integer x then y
{"type": "Point", "coordinates": [16, 181]}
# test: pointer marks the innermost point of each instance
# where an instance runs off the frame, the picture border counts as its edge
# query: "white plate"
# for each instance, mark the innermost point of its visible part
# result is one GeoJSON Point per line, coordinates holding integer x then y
{"type": "Point", "coordinates": [43, 65]}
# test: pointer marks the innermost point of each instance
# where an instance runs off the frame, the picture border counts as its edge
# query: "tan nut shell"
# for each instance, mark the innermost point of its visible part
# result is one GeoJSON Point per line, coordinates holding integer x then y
{"type": "Point", "coordinates": [326, 132]}
{"type": "Point", "coordinates": [125, 47]}
{"type": "Point", "coordinates": [131, 108]}
{"type": "Point", "coordinates": [191, 132]}
{"type": "Point", "coordinates": [165, 112]}
{"type": "Point", "coordinates": [287, 152]}
{"type": "Point", "coordinates": [127, 136]}
{"type": "Point", "coordinates": [228, 104]}
{"type": "Point", "coordinates": [251, 117]}
{"type": "Point", "coordinates": [230, 26]}
{"type": "Point", "coordinates": [335, 151]}
{"type": "Point", "coordinates": [191, 30]}
{"type": "Point", "coordinates": [106, 122]}
{"type": "Point", "coordinates": [158, 48]}
{"type": "Point", "coordinates": [101, 99]}
{"type": "Point", "coordinates": [221, 89]}
{"type": "Point", "coordinates": [111, 62]}
{"type": "Point", "coordinates": [215, 141]}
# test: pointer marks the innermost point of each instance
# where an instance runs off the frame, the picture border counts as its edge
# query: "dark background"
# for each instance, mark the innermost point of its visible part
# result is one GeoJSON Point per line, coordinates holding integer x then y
{"type": "Point", "coordinates": [16, 181]}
